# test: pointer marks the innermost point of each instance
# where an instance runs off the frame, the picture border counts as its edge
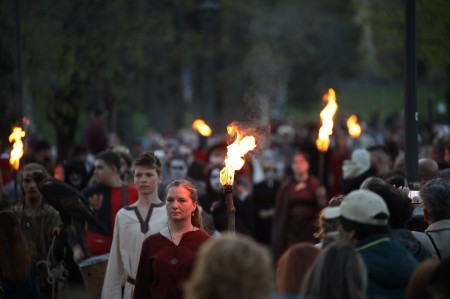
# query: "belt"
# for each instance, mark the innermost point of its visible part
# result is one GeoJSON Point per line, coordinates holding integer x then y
{"type": "Point", "coordinates": [131, 280]}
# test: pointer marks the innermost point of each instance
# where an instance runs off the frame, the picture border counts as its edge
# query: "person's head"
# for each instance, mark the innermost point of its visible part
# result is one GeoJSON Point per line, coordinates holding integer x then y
{"type": "Point", "coordinates": [293, 265]}
{"type": "Point", "coordinates": [358, 165]}
{"type": "Point", "coordinates": [362, 213]}
{"type": "Point", "coordinates": [398, 203]}
{"type": "Point", "coordinates": [338, 272]}
{"type": "Point", "coordinates": [380, 159]}
{"type": "Point", "coordinates": [170, 148]}
{"type": "Point", "coordinates": [213, 183]}
{"type": "Point", "coordinates": [435, 195]}
{"type": "Point", "coordinates": [107, 167]}
{"type": "Point", "coordinates": [232, 266]}
{"type": "Point", "coordinates": [42, 151]}
{"type": "Point", "coordinates": [15, 252]}
{"type": "Point", "coordinates": [270, 171]}
{"type": "Point", "coordinates": [125, 159]}
{"type": "Point", "coordinates": [420, 279]}
{"type": "Point", "coordinates": [217, 153]}
{"type": "Point", "coordinates": [371, 182]}
{"type": "Point", "coordinates": [32, 175]}
{"type": "Point", "coordinates": [328, 227]}
{"type": "Point", "coordinates": [147, 173]}
{"type": "Point", "coordinates": [182, 203]}
{"type": "Point", "coordinates": [428, 169]}
{"type": "Point", "coordinates": [395, 178]}
{"type": "Point", "coordinates": [300, 164]}
{"type": "Point", "coordinates": [98, 115]}
{"type": "Point", "coordinates": [439, 286]}
{"type": "Point", "coordinates": [178, 167]}
{"type": "Point", "coordinates": [75, 173]}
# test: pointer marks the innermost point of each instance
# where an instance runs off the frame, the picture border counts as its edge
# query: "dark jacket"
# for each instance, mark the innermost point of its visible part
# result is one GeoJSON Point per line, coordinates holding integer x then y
{"type": "Point", "coordinates": [406, 238]}
{"type": "Point", "coordinates": [25, 289]}
{"type": "Point", "coordinates": [389, 266]}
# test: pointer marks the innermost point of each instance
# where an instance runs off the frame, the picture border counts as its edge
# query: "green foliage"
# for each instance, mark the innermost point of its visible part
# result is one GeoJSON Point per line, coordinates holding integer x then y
{"type": "Point", "coordinates": [130, 57]}
{"type": "Point", "coordinates": [386, 18]}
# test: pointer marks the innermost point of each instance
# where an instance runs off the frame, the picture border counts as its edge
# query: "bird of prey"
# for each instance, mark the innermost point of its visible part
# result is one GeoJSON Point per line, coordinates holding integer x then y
{"type": "Point", "coordinates": [71, 204]}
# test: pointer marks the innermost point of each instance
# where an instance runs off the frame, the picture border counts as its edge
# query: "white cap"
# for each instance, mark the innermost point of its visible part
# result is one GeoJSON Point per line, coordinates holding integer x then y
{"type": "Point", "coordinates": [359, 164]}
{"type": "Point", "coordinates": [361, 206]}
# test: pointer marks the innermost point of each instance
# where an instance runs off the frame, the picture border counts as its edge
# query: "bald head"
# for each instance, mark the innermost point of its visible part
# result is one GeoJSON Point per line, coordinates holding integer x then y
{"type": "Point", "coordinates": [428, 169]}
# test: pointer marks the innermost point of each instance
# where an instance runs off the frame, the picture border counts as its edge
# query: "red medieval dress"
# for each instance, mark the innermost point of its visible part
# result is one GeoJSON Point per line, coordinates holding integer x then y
{"type": "Point", "coordinates": [164, 266]}
{"type": "Point", "coordinates": [296, 211]}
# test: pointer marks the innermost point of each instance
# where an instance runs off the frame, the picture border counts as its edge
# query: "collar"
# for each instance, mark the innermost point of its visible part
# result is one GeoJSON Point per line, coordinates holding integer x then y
{"type": "Point", "coordinates": [439, 225]}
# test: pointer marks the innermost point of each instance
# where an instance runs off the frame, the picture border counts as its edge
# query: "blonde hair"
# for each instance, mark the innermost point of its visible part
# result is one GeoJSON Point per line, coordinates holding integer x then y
{"type": "Point", "coordinates": [233, 266]}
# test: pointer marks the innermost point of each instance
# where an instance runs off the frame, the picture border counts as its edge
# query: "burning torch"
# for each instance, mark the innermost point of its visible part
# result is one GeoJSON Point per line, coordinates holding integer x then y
{"type": "Point", "coordinates": [326, 116]}
{"type": "Point", "coordinates": [202, 128]}
{"type": "Point", "coordinates": [234, 161]}
{"type": "Point", "coordinates": [16, 152]}
{"type": "Point", "coordinates": [354, 129]}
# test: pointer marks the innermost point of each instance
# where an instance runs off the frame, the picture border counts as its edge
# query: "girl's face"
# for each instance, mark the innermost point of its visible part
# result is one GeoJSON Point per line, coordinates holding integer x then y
{"type": "Point", "coordinates": [300, 164]}
{"type": "Point", "coordinates": [179, 204]}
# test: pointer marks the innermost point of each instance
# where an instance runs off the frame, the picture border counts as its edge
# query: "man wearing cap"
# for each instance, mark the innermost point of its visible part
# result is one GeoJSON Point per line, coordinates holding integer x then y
{"type": "Point", "coordinates": [364, 218]}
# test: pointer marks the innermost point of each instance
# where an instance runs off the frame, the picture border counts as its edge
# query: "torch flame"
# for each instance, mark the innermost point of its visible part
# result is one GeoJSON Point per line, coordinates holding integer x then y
{"type": "Point", "coordinates": [235, 152]}
{"type": "Point", "coordinates": [354, 129]}
{"type": "Point", "coordinates": [17, 150]}
{"type": "Point", "coordinates": [201, 127]}
{"type": "Point", "coordinates": [326, 115]}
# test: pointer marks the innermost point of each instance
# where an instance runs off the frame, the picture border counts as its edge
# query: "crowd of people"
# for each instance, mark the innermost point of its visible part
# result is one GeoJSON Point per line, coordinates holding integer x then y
{"type": "Point", "coordinates": [341, 224]}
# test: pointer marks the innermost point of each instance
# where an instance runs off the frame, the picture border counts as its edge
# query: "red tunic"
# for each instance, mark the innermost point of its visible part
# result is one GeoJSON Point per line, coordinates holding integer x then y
{"type": "Point", "coordinates": [99, 243]}
{"type": "Point", "coordinates": [156, 276]}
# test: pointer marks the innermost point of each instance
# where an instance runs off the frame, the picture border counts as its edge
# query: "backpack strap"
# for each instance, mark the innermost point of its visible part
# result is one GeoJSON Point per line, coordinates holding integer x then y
{"type": "Point", "coordinates": [434, 246]}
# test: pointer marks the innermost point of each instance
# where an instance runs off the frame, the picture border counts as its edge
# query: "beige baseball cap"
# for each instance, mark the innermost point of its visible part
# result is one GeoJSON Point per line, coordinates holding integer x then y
{"type": "Point", "coordinates": [361, 206]}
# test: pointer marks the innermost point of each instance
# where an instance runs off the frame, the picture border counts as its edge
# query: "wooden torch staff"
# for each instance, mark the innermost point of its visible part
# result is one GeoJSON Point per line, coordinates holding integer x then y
{"type": "Point", "coordinates": [228, 191]}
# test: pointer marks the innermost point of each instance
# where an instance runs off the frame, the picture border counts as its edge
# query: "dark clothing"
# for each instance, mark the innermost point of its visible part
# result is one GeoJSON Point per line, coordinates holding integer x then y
{"type": "Point", "coordinates": [156, 276]}
{"type": "Point", "coordinates": [349, 185]}
{"type": "Point", "coordinates": [263, 198]}
{"type": "Point", "coordinates": [99, 242]}
{"type": "Point", "coordinates": [389, 266]}
{"type": "Point", "coordinates": [215, 205]}
{"type": "Point", "coordinates": [296, 210]}
{"type": "Point", "coordinates": [25, 289]}
{"type": "Point", "coordinates": [406, 238]}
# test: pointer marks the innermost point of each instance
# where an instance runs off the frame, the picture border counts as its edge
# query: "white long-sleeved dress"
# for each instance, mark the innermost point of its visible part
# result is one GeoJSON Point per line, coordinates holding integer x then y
{"type": "Point", "coordinates": [130, 230]}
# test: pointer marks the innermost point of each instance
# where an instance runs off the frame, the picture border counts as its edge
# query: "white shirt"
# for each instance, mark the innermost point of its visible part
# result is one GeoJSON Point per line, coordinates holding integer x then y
{"type": "Point", "coordinates": [130, 231]}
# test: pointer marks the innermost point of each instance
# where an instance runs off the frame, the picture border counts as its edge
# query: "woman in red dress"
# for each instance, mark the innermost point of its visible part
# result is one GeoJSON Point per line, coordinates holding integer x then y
{"type": "Point", "coordinates": [168, 257]}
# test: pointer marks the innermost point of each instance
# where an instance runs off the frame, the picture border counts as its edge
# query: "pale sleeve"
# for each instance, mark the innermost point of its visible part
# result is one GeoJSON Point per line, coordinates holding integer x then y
{"type": "Point", "coordinates": [112, 285]}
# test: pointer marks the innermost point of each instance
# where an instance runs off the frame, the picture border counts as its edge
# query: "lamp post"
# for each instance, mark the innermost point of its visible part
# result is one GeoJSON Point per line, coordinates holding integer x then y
{"type": "Point", "coordinates": [411, 114]}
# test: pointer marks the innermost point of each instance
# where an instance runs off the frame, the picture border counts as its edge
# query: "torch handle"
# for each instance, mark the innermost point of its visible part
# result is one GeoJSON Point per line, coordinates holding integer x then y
{"type": "Point", "coordinates": [228, 191]}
